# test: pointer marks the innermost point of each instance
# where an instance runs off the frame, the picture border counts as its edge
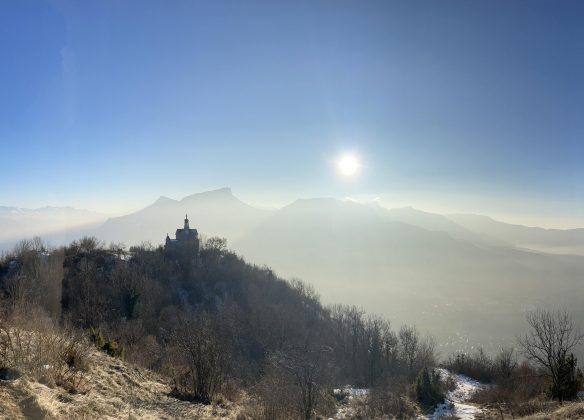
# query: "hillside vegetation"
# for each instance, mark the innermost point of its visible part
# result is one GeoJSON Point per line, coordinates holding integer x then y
{"type": "Point", "coordinates": [210, 324]}
{"type": "Point", "coordinates": [93, 331]}
{"type": "Point", "coordinates": [112, 389]}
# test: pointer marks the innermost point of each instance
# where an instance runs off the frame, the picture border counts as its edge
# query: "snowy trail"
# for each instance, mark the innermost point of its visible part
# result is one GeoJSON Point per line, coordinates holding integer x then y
{"type": "Point", "coordinates": [454, 404]}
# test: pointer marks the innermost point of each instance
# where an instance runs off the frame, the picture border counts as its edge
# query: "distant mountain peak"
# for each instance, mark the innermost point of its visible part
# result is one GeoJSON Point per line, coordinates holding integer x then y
{"type": "Point", "coordinates": [411, 210]}
{"type": "Point", "coordinates": [164, 200]}
{"type": "Point", "coordinates": [224, 192]}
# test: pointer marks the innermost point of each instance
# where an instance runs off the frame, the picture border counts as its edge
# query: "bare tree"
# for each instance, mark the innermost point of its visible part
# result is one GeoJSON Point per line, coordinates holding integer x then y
{"type": "Point", "coordinates": [505, 363]}
{"type": "Point", "coordinates": [213, 250]}
{"type": "Point", "coordinates": [410, 343]}
{"type": "Point", "coordinates": [216, 243]}
{"type": "Point", "coordinates": [549, 343]}
{"type": "Point", "coordinates": [426, 354]}
{"type": "Point", "coordinates": [306, 369]}
{"type": "Point", "coordinates": [200, 361]}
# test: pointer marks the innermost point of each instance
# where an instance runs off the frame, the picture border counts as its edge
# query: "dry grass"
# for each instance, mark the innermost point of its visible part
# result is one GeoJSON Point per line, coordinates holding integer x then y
{"type": "Point", "coordinates": [61, 376]}
{"type": "Point", "coordinates": [540, 410]}
{"type": "Point", "coordinates": [115, 390]}
{"type": "Point", "coordinates": [536, 409]}
{"type": "Point", "coordinates": [570, 410]}
{"type": "Point", "coordinates": [46, 354]}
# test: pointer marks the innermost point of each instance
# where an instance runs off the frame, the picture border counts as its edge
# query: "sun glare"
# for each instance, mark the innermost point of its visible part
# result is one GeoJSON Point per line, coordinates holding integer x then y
{"type": "Point", "coordinates": [348, 165]}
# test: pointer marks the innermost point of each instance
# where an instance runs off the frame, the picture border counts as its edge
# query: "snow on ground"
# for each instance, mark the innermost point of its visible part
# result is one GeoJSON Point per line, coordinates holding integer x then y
{"type": "Point", "coordinates": [353, 392]}
{"type": "Point", "coordinates": [350, 392]}
{"type": "Point", "coordinates": [352, 395]}
{"type": "Point", "coordinates": [454, 404]}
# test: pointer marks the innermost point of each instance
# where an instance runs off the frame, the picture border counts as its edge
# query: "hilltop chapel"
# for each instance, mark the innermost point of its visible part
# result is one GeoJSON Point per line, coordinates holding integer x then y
{"type": "Point", "coordinates": [187, 239]}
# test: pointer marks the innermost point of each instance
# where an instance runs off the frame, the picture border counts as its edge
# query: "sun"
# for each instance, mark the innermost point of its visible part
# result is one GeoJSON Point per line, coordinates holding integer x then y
{"type": "Point", "coordinates": [348, 165]}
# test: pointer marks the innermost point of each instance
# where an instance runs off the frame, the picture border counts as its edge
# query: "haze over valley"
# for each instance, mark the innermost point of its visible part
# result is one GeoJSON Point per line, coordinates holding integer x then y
{"type": "Point", "coordinates": [467, 279]}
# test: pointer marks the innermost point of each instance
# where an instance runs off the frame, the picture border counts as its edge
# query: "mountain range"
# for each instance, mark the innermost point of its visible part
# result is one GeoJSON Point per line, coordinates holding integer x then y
{"type": "Point", "coordinates": [464, 278]}
{"type": "Point", "coordinates": [213, 213]}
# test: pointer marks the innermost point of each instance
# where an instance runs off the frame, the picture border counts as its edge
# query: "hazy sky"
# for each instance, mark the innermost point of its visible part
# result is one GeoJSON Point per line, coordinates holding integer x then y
{"type": "Point", "coordinates": [452, 105]}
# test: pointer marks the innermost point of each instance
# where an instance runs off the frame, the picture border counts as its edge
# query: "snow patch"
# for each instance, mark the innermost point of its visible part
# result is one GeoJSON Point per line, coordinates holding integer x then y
{"type": "Point", "coordinates": [454, 403]}
{"type": "Point", "coordinates": [349, 395]}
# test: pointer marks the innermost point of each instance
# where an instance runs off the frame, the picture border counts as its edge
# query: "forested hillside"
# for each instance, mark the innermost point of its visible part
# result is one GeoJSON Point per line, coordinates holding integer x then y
{"type": "Point", "coordinates": [212, 323]}
{"type": "Point", "coordinates": [218, 331]}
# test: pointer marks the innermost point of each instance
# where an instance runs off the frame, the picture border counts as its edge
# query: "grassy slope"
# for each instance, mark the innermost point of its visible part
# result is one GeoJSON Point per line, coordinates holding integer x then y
{"type": "Point", "coordinates": [115, 390]}
{"type": "Point", "coordinates": [542, 410]}
{"type": "Point", "coordinates": [570, 410]}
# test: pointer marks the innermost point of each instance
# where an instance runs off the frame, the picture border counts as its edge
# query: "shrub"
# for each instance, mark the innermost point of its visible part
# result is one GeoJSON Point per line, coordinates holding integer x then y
{"type": "Point", "coordinates": [198, 360]}
{"type": "Point", "coordinates": [429, 388]}
{"type": "Point", "coordinates": [478, 366]}
{"type": "Point", "coordinates": [273, 400]}
{"type": "Point", "coordinates": [505, 365]}
{"type": "Point", "coordinates": [390, 401]}
{"type": "Point", "coordinates": [46, 353]}
{"type": "Point", "coordinates": [96, 337]}
{"type": "Point", "coordinates": [520, 394]}
{"type": "Point", "coordinates": [570, 379]}
{"type": "Point", "coordinates": [112, 348]}
{"type": "Point", "coordinates": [107, 345]}
{"type": "Point", "coordinates": [231, 390]}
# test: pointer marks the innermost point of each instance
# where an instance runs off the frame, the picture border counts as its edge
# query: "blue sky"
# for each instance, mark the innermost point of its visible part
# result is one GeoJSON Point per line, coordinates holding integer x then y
{"type": "Point", "coordinates": [451, 105]}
